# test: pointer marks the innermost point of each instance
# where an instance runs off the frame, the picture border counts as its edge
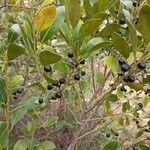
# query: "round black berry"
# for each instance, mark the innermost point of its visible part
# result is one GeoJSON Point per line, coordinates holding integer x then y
{"type": "Point", "coordinates": [74, 63]}
{"type": "Point", "coordinates": [140, 105]}
{"type": "Point", "coordinates": [107, 135]}
{"type": "Point", "coordinates": [77, 77]}
{"type": "Point", "coordinates": [122, 21]}
{"type": "Point", "coordinates": [41, 100]}
{"type": "Point", "coordinates": [123, 89]}
{"type": "Point", "coordinates": [15, 97]}
{"type": "Point", "coordinates": [136, 3]}
{"type": "Point", "coordinates": [47, 68]}
{"type": "Point", "coordinates": [62, 80]}
{"type": "Point", "coordinates": [141, 65]}
{"type": "Point", "coordinates": [19, 91]}
{"type": "Point", "coordinates": [58, 95]}
{"type": "Point", "coordinates": [121, 62]}
{"type": "Point", "coordinates": [70, 54]}
{"type": "Point", "coordinates": [49, 86]}
{"type": "Point", "coordinates": [53, 97]}
{"type": "Point", "coordinates": [116, 134]}
{"type": "Point", "coordinates": [82, 61]}
{"type": "Point", "coordinates": [130, 78]}
{"type": "Point", "coordinates": [83, 73]}
{"type": "Point", "coordinates": [125, 67]}
{"type": "Point", "coordinates": [120, 74]}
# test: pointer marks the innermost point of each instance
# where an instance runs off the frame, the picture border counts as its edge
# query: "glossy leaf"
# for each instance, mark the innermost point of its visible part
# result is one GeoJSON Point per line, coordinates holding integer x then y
{"type": "Point", "coordinates": [47, 34]}
{"type": "Point", "coordinates": [111, 63]}
{"type": "Point", "coordinates": [136, 86]}
{"type": "Point", "coordinates": [45, 18]}
{"type": "Point", "coordinates": [121, 45]}
{"type": "Point", "coordinates": [47, 57]}
{"type": "Point", "coordinates": [89, 28]}
{"type": "Point", "coordinates": [144, 22]}
{"type": "Point", "coordinates": [14, 51]}
{"type": "Point", "coordinates": [4, 134]}
{"type": "Point", "coordinates": [13, 33]}
{"type": "Point", "coordinates": [22, 108]}
{"type": "Point", "coordinates": [22, 144]}
{"type": "Point", "coordinates": [3, 93]}
{"type": "Point", "coordinates": [47, 145]}
{"type": "Point", "coordinates": [93, 45]}
{"type": "Point", "coordinates": [73, 11]}
{"type": "Point", "coordinates": [108, 30]}
{"type": "Point", "coordinates": [113, 145]}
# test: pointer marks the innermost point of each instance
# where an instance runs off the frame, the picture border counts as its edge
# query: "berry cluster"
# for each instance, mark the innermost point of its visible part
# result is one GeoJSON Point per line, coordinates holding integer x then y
{"type": "Point", "coordinates": [75, 64]}
{"type": "Point", "coordinates": [125, 68]}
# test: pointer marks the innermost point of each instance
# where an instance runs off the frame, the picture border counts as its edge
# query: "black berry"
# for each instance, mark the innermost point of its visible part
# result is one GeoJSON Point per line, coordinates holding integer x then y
{"type": "Point", "coordinates": [136, 3]}
{"type": "Point", "coordinates": [53, 97]}
{"type": "Point", "coordinates": [122, 21]}
{"type": "Point", "coordinates": [47, 68]}
{"type": "Point", "coordinates": [107, 135]}
{"type": "Point", "coordinates": [49, 86]}
{"type": "Point", "coordinates": [130, 78]}
{"type": "Point", "coordinates": [74, 63]}
{"type": "Point", "coordinates": [116, 134]}
{"type": "Point", "coordinates": [15, 97]}
{"type": "Point", "coordinates": [41, 100]}
{"type": "Point", "coordinates": [83, 73]}
{"type": "Point", "coordinates": [140, 105]}
{"type": "Point", "coordinates": [58, 95]}
{"type": "Point", "coordinates": [123, 89]}
{"type": "Point", "coordinates": [120, 74]}
{"type": "Point", "coordinates": [62, 80]}
{"type": "Point", "coordinates": [70, 54]}
{"type": "Point", "coordinates": [77, 77]}
{"type": "Point", "coordinates": [19, 91]}
{"type": "Point", "coordinates": [82, 61]}
{"type": "Point", "coordinates": [141, 65]}
{"type": "Point", "coordinates": [121, 62]}
{"type": "Point", "coordinates": [125, 67]}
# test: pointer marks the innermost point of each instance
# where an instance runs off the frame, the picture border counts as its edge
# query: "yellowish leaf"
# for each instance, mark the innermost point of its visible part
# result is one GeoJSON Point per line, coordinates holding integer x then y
{"type": "Point", "coordinates": [45, 18]}
{"type": "Point", "coordinates": [46, 2]}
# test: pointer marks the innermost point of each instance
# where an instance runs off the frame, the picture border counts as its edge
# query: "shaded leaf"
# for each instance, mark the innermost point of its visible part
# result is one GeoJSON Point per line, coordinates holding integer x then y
{"type": "Point", "coordinates": [135, 86]}
{"type": "Point", "coordinates": [113, 145]}
{"type": "Point", "coordinates": [3, 93]}
{"type": "Point", "coordinates": [50, 121]}
{"type": "Point", "coordinates": [14, 51]}
{"type": "Point", "coordinates": [121, 45]}
{"type": "Point", "coordinates": [47, 57]}
{"type": "Point", "coordinates": [144, 22]}
{"type": "Point", "coordinates": [111, 62]}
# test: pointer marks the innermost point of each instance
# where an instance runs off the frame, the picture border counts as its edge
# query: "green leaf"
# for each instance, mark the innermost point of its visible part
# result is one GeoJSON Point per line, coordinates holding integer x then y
{"type": "Point", "coordinates": [22, 108]}
{"type": "Point", "coordinates": [4, 134]}
{"type": "Point", "coordinates": [113, 145]}
{"type": "Point", "coordinates": [47, 34]}
{"type": "Point", "coordinates": [108, 107]}
{"type": "Point", "coordinates": [13, 33]}
{"type": "Point", "coordinates": [121, 45]}
{"type": "Point", "coordinates": [112, 98]}
{"type": "Point", "coordinates": [47, 57]}
{"type": "Point", "coordinates": [100, 77]}
{"type": "Point", "coordinates": [103, 5]}
{"type": "Point", "coordinates": [135, 86]}
{"type": "Point", "coordinates": [144, 22]}
{"type": "Point", "coordinates": [111, 62]}
{"type": "Point", "coordinates": [93, 45]}
{"type": "Point", "coordinates": [50, 121]}
{"type": "Point", "coordinates": [16, 81]}
{"type": "Point", "coordinates": [89, 27]}
{"type": "Point", "coordinates": [133, 36]}
{"type": "Point", "coordinates": [108, 30]}
{"type": "Point", "coordinates": [121, 121]}
{"type": "Point", "coordinates": [22, 144]}
{"type": "Point", "coordinates": [14, 51]}
{"type": "Point", "coordinates": [62, 67]}
{"type": "Point", "coordinates": [146, 100]}
{"type": "Point", "coordinates": [143, 147]}
{"type": "Point", "coordinates": [47, 145]}
{"type": "Point", "coordinates": [73, 12]}
{"type": "Point", "coordinates": [139, 134]}
{"type": "Point", "coordinates": [126, 106]}
{"type": "Point", "coordinates": [3, 93]}
{"type": "Point", "coordinates": [87, 8]}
